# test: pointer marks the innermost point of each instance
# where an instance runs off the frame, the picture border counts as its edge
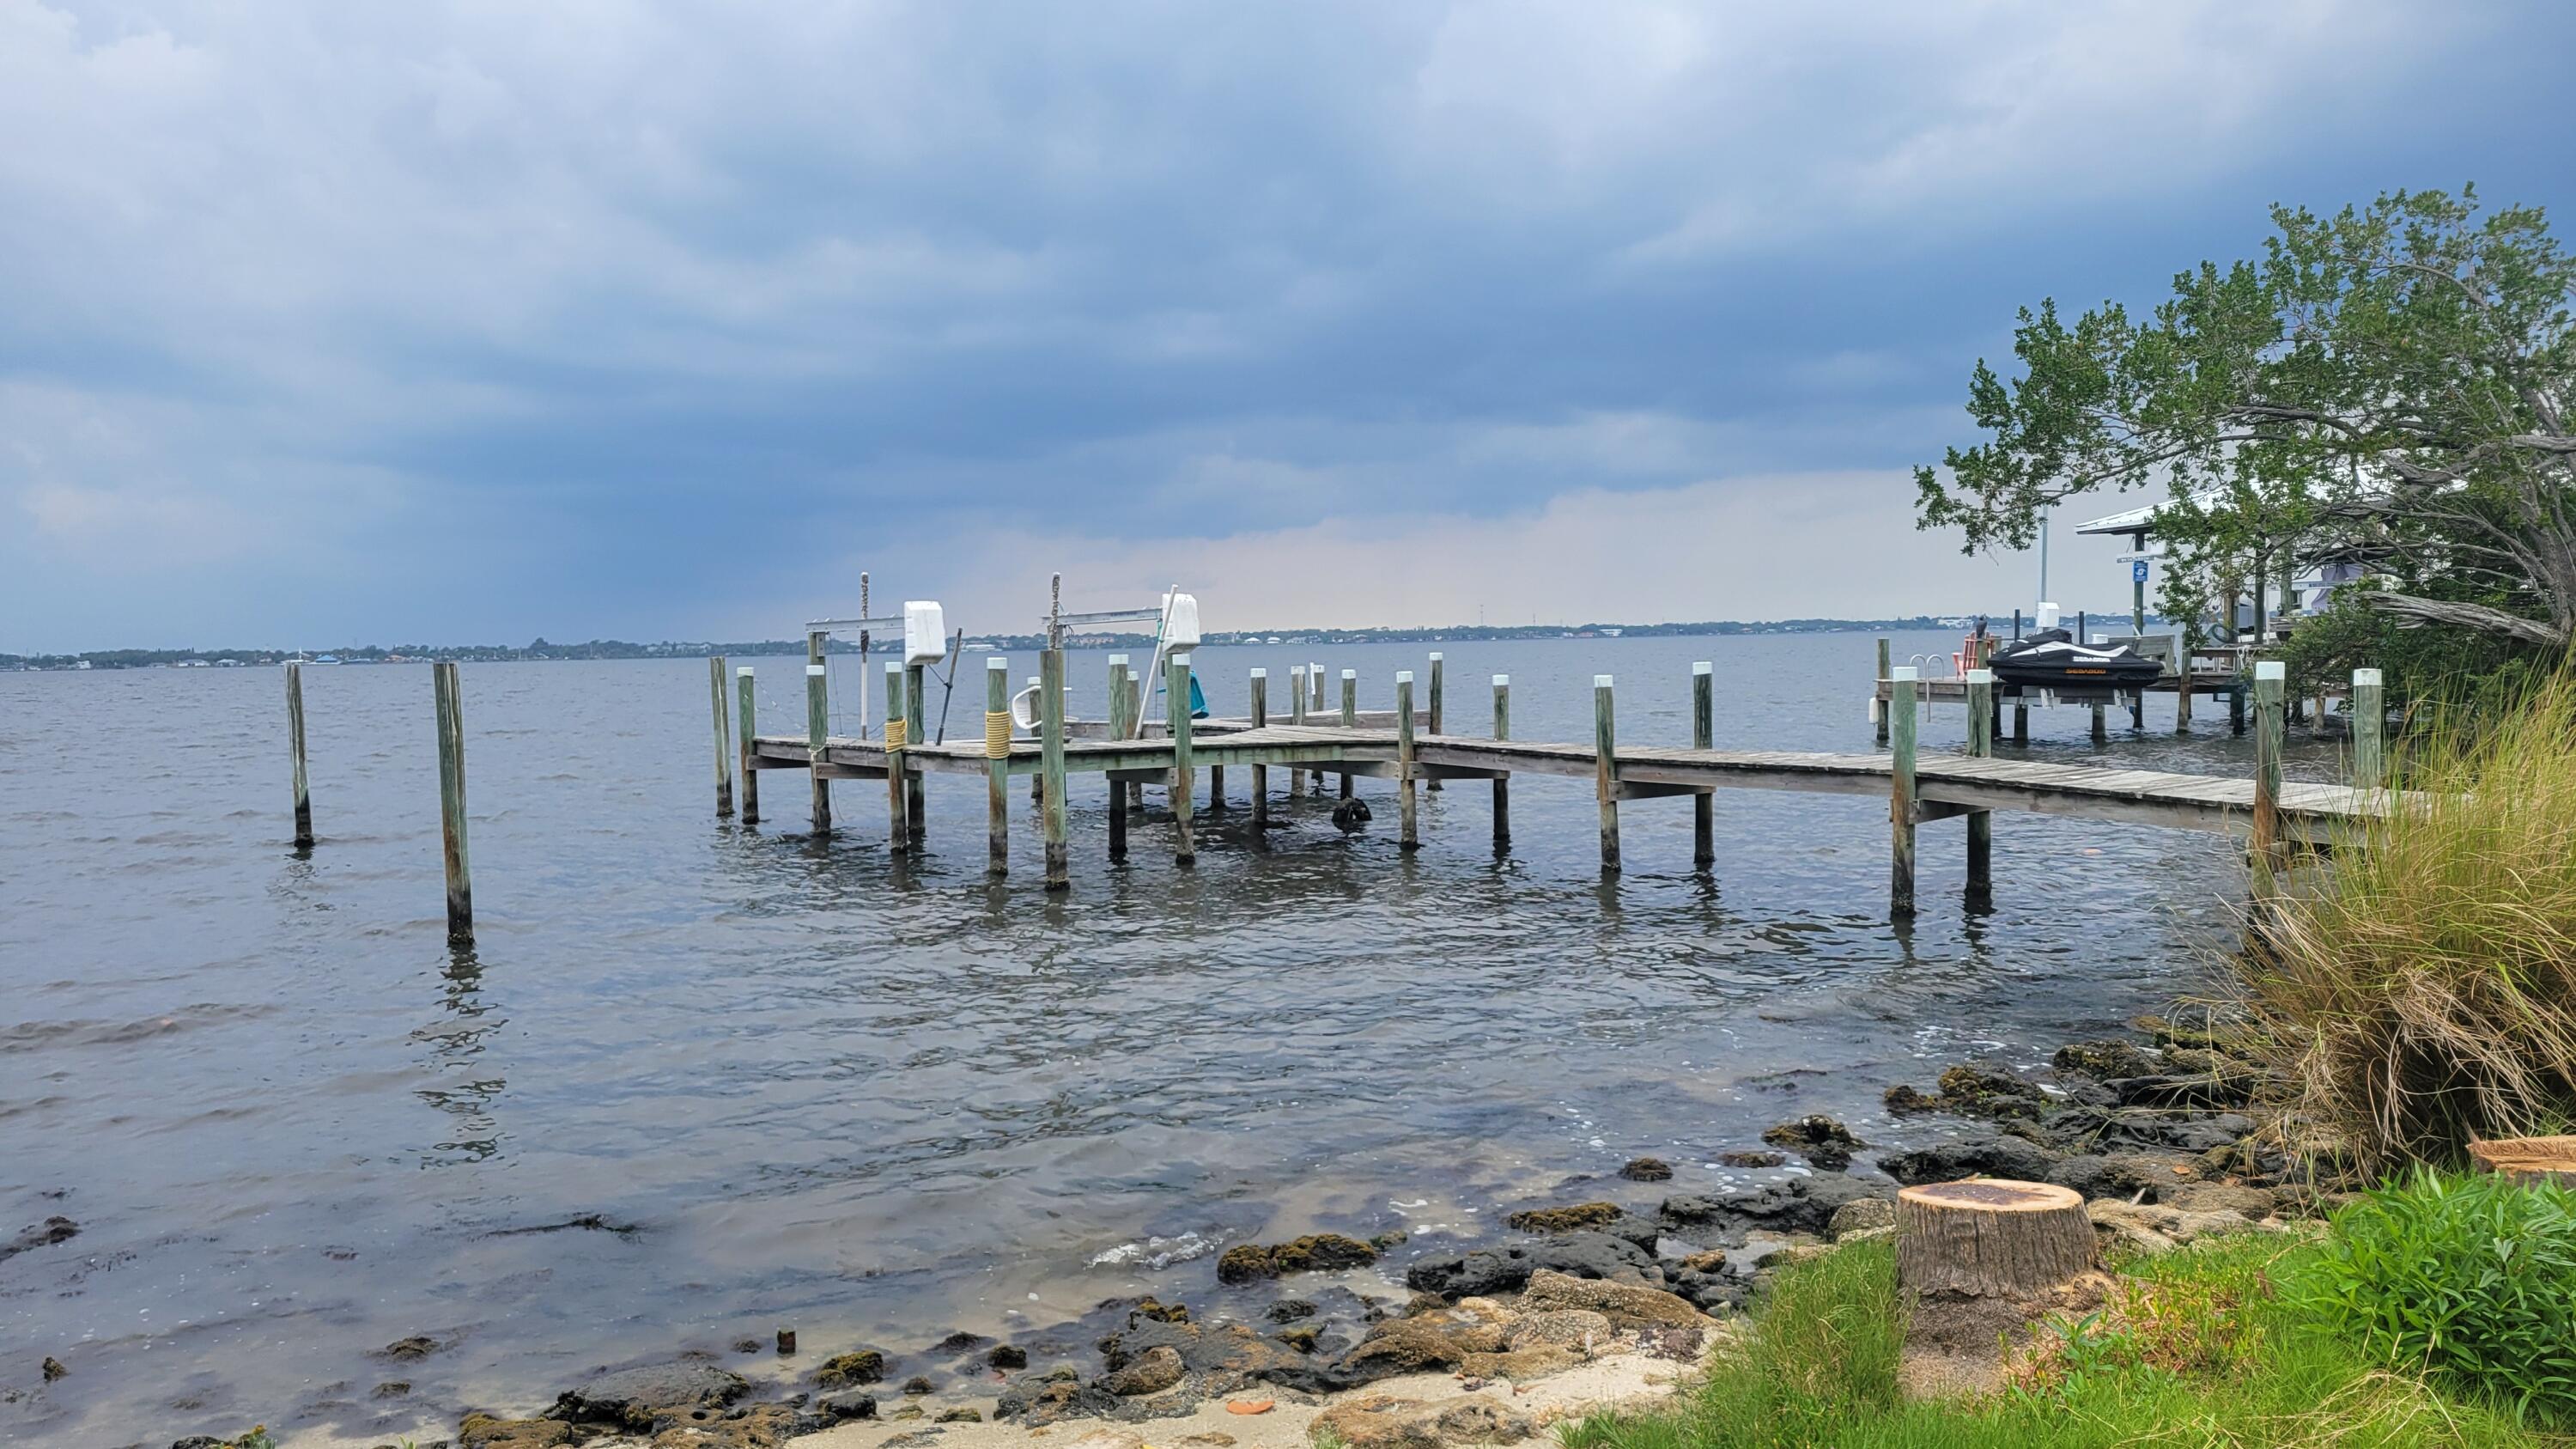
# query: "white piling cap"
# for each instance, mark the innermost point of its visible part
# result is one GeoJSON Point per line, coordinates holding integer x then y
{"type": "Point", "coordinates": [744, 672]}
{"type": "Point", "coordinates": [1261, 674]}
{"type": "Point", "coordinates": [893, 669]}
{"type": "Point", "coordinates": [1905, 672]}
{"type": "Point", "coordinates": [1117, 658]}
{"type": "Point", "coordinates": [1350, 674]}
{"type": "Point", "coordinates": [2365, 676]}
{"type": "Point", "coordinates": [1435, 656]}
{"type": "Point", "coordinates": [1299, 670]}
{"type": "Point", "coordinates": [1703, 667]}
{"type": "Point", "coordinates": [2269, 669]}
{"type": "Point", "coordinates": [999, 664]}
{"type": "Point", "coordinates": [1503, 679]}
{"type": "Point", "coordinates": [1981, 676]}
{"type": "Point", "coordinates": [1601, 681]}
{"type": "Point", "coordinates": [813, 669]}
{"type": "Point", "coordinates": [1404, 676]}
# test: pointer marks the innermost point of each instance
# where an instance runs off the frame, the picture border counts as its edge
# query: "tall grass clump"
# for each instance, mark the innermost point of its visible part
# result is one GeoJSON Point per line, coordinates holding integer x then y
{"type": "Point", "coordinates": [2470, 1278]}
{"type": "Point", "coordinates": [2419, 990]}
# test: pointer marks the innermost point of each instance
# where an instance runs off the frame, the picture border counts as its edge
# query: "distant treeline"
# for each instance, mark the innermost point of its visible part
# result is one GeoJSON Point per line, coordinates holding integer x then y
{"type": "Point", "coordinates": [623, 649]}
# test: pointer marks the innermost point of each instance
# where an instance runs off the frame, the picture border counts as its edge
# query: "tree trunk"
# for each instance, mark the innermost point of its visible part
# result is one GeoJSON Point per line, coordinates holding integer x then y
{"type": "Point", "coordinates": [1990, 1238]}
{"type": "Point", "coordinates": [2528, 1159]}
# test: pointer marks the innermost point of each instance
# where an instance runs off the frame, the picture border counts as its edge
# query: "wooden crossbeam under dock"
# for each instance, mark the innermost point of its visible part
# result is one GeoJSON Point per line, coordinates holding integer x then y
{"type": "Point", "coordinates": [1946, 785]}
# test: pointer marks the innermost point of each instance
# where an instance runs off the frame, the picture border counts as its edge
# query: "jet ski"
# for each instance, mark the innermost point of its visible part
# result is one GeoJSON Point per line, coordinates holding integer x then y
{"type": "Point", "coordinates": [2052, 659]}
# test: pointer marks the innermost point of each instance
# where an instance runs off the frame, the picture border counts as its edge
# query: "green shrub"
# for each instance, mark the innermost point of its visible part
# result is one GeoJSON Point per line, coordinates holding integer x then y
{"type": "Point", "coordinates": [2471, 1278]}
{"type": "Point", "coordinates": [2420, 989]}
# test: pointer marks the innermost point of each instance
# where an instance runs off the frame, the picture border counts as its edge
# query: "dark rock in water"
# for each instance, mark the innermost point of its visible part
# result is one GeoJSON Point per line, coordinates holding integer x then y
{"type": "Point", "coordinates": [1051, 1400]}
{"type": "Point", "coordinates": [786, 1342]}
{"type": "Point", "coordinates": [746, 1345]}
{"type": "Point", "coordinates": [959, 1342]}
{"type": "Point", "coordinates": [391, 1389]}
{"type": "Point", "coordinates": [1150, 1372]}
{"type": "Point", "coordinates": [1351, 814]}
{"type": "Point", "coordinates": [639, 1398]}
{"type": "Point", "coordinates": [1316, 1252]}
{"type": "Point", "coordinates": [53, 1369]}
{"type": "Point", "coordinates": [918, 1385]}
{"type": "Point", "coordinates": [1489, 1271]}
{"type": "Point", "coordinates": [849, 1370]}
{"type": "Point", "coordinates": [1563, 1219]}
{"type": "Point", "coordinates": [43, 1235]}
{"type": "Point", "coordinates": [1973, 1092]}
{"type": "Point", "coordinates": [1301, 1338]}
{"type": "Point", "coordinates": [2105, 1060]}
{"type": "Point", "coordinates": [1157, 1311]}
{"type": "Point", "coordinates": [197, 1441]}
{"type": "Point", "coordinates": [409, 1350]}
{"type": "Point", "coordinates": [840, 1408]}
{"type": "Point", "coordinates": [1906, 1101]}
{"type": "Point", "coordinates": [1995, 1156]}
{"type": "Point", "coordinates": [1289, 1310]}
{"type": "Point", "coordinates": [1794, 1205]}
{"type": "Point", "coordinates": [1741, 1158]}
{"type": "Point", "coordinates": [1391, 1238]}
{"type": "Point", "coordinates": [1820, 1139]}
{"type": "Point", "coordinates": [959, 1415]}
{"type": "Point", "coordinates": [1648, 1169]}
{"type": "Point", "coordinates": [1007, 1356]}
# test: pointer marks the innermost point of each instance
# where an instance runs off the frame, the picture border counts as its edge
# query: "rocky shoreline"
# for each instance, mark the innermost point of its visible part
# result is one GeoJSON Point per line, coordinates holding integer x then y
{"type": "Point", "coordinates": [1625, 1296]}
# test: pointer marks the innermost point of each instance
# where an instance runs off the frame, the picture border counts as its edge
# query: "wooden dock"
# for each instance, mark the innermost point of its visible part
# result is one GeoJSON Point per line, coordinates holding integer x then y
{"type": "Point", "coordinates": [1404, 745]}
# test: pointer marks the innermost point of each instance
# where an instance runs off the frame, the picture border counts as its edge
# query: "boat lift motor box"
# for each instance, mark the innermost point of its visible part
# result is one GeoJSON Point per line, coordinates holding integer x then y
{"type": "Point", "coordinates": [925, 632]}
{"type": "Point", "coordinates": [1180, 620]}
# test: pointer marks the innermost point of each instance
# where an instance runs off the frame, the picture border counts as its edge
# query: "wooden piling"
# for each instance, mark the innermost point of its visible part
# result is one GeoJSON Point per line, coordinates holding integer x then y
{"type": "Point", "coordinates": [724, 736]}
{"type": "Point", "coordinates": [1315, 707]}
{"type": "Point", "coordinates": [2236, 708]}
{"type": "Point", "coordinates": [1260, 715]}
{"type": "Point", "coordinates": [898, 736]}
{"type": "Point", "coordinates": [2369, 730]}
{"type": "Point", "coordinates": [1605, 771]}
{"type": "Point", "coordinates": [2101, 734]}
{"type": "Point", "coordinates": [1502, 781]}
{"type": "Point", "coordinates": [2269, 858]}
{"type": "Point", "coordinates": [451, 802]}
{"type": "Point", "coordinates": [1879, 697]}
{"type": "Point", "coordinates": [1408, 835]}
{"type": "Point", "coordinates": [1900, 800]}
{"type": "Point", "coordinates": [743, 738]}
{"type": "Point", "coordinates": [997, 766]}
{"type": "Point", "coordinates": [2021, 722]}
{"type": "Point", "coordinates": [2182, 691]}
{"type": "Point", "coordinates": [1981, 823]}
{"type": "Point", "coordinates": [1059, 872]}
{"type": "Point", "coordinates": [916, 819]}
{"type": "Point", "coordinates": [1436, 712]}
{"type": "Point", "coordinates": [1350, 717]}
{"type": "Point", "coordinates": [1296, 716]}
{"type": "Point", "coordinates": [1176, 688]}
{"type": "Point", "coordinates": [1703, 737]}
{"type": "Point", "coordinates": [818, 726]}
{"type": "Point", "coordinates": [295, 752]}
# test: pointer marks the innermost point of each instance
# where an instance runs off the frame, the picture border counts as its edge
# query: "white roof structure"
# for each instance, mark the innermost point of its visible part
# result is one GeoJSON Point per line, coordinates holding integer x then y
{"type": "Point", "coordinates": [2136, 520]}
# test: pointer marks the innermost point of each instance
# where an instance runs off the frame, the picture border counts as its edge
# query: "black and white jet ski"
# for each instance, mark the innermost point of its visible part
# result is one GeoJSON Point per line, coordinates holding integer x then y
{"type": "Point", "coordinates": [2053, 659]}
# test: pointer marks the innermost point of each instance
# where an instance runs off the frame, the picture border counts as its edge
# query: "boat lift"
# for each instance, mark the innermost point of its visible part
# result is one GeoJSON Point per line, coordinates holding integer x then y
{"type": "Point", "coordinates": [1176, 631]}
{"type": "Point", "coordinates": [923, 627]}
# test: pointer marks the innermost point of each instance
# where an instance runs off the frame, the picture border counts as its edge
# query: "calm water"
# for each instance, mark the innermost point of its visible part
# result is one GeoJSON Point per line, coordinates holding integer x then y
{"type": "Point", "coordinates": [874, 1101]}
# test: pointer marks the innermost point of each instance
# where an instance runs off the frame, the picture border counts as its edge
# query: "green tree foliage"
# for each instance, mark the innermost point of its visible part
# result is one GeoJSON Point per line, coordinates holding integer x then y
{"type": "Point", "coordinates": [2388, 384]}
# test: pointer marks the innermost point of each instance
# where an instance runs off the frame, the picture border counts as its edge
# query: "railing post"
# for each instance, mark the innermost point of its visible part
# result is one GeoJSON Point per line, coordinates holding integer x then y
{"type": "Point", "coordinates": [1051, 778]}
{"type": "Point", "coordinates": [1436, 713]}
{"type": "Point", "coordinates": [1407, 837]}
{"type": "Point", "coordinates": [818, 725]}
{"type": "Point", "coordinates": [997, 766]}
{"type": "Point", "coordinates": [1981, 823]}
{"type": "Point", "coordinates": [295, 750]}
{"type": "Point", "coordinates": [1176, 690]}
{"type": "Point", "coordinates": [1350, 718]}
{"type": "Point", "coordinates": [724, 736]}
{"type": "Point", "coordinates": [1261, 773]}
{"type": "Point", "coordinates": [2268, 856]}
{"type": "Point", "coordinates": [2369, 730]}
{"type": "Point", "coordinates": [1900, 799]}
{"type": "Point", "coordinates": [1502, 780]}
{"type": "Point", "coordinates": [451, 802]}
{"type": "Point", "coordinates": [743, 742]}
{"type": "Point", "coordinates": [1605, 771]}
{"type": "Point", "coordinates": [1704, 737]}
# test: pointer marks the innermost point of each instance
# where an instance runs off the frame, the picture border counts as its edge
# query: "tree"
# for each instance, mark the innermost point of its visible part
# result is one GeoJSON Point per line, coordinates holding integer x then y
{"type": "Point", "coordinates": [2390, 384]}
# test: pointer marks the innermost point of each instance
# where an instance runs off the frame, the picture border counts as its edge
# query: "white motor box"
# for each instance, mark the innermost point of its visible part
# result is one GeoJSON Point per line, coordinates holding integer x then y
{"type": "Point", "coordinates": [925, 632]}
{"type": "Point", "coordinates": [1180, 620]}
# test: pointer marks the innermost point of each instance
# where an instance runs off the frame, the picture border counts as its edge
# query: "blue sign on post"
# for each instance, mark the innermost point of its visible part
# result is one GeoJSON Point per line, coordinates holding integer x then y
{"type": "Point", "coordinates": [2138, 572]}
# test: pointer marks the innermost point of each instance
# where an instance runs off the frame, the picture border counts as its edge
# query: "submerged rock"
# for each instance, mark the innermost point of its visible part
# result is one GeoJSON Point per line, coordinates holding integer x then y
{"type": "Point", "coordinates": [1647, 1169]}
{"type": "Point", "coordinates": [1316, 1252]}
{"type": "Point", "coordinates": [1351, 814]}
{"type": "Point", "coordinates": [1289, 1310]}
{"type": "Point", "coordinates": [52, 1230]}
{"type": "Point", "coordinates": [1820, 1139]}
{"type": "Point", "coordinates": [1743, 1158]}
{"type": "Point", "coordinates": [640, 1398]}
{"type": "Point", "coordinates": [1564, 1219]}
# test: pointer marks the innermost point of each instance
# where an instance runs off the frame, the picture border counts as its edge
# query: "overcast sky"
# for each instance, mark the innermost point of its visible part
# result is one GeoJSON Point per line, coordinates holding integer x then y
{"type": "Point", "coordinates": [335, 323]}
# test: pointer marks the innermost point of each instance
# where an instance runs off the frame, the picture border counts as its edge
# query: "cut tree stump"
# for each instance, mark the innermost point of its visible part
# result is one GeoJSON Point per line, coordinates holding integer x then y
{"type": "Point", "coordinates": [2528, 1159]}
{"type": "Point", "coordinates": [1990, 1238]}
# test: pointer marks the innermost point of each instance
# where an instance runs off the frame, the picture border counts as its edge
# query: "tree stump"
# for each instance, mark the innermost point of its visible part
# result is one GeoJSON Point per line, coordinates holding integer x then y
{"type": "Point", "coordinates": [1990, 1238]}
{"type": "Point", "coordinates": [2528, 1159]}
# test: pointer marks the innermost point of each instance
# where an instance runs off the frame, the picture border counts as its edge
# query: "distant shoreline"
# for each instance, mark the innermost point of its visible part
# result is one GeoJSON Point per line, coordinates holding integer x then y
{"type": "Point", "coordinates": [543, 650]}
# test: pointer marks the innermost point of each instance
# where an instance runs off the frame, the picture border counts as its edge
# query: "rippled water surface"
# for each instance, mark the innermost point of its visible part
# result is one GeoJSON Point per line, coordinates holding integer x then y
{"type": "Point", "coordinates": [697, 1080]}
